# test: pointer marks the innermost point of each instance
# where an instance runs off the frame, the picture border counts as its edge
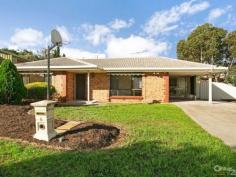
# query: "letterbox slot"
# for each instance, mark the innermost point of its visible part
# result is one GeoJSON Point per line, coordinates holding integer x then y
{"type": "Point", "coordinates": [41, 113]}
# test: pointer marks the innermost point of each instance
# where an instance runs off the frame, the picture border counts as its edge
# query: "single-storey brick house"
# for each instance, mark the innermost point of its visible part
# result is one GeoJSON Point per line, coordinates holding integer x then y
{"type": "Point", "coordinates": [123, 79]}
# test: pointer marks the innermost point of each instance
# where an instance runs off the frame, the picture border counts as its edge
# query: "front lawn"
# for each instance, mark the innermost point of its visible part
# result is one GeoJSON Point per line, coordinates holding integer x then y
{"type": "Point", "coordinates": [162, 141]}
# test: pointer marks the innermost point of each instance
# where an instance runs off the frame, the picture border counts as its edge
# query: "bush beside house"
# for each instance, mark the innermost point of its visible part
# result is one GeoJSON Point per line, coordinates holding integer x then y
{"type": "Point", "coordinates": [12, 89]}
{"type": "Point", "coordinates": [38, 90]}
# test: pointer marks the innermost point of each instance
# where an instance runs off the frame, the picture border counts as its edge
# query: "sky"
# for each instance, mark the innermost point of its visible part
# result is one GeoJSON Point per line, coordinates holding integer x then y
{"type": "Point", "coordinates": [109, 28]}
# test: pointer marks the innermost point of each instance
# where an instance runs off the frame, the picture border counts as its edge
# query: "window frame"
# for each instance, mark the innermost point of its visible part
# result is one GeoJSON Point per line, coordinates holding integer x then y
{"type": "Point", "coordinates": [132, 89]}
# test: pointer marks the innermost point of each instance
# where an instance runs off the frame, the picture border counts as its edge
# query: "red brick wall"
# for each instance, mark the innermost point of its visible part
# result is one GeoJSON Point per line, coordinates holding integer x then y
{"type": "Point", "coordinates": [154, 89]}
{"type": "Point", "coordinates": [99, 87]}
{"type": "Point", "coordinates": [59, 82]}
{"type": "Point", "coordinates": [70, 89]}
{"type": "Point", "coordinates": [167, 88]}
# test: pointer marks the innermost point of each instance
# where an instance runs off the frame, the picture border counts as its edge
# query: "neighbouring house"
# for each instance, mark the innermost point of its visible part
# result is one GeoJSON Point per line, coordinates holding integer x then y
{"type": "Point", "coordinates": [16, 59]}
{"type": "Point", "coordinates": [124, 79]}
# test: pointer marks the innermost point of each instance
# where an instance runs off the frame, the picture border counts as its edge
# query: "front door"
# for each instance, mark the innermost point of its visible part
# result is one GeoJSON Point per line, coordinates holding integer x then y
{"type": "Point", "coordinates": [80, 86]}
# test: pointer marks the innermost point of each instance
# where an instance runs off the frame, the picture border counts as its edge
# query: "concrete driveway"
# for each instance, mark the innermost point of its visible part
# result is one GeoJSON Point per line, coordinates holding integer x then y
{"type": "Point", "coordinates": [219, 118]}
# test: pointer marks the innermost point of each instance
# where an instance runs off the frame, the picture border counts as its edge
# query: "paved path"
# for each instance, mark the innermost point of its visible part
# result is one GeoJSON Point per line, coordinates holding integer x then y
{"type": "Point", "coordinates": [219, 118]}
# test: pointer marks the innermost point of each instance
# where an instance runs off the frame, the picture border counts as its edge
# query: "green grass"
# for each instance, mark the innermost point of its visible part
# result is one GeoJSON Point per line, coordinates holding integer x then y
{"type": "Point", "coordinates": [162, 141]}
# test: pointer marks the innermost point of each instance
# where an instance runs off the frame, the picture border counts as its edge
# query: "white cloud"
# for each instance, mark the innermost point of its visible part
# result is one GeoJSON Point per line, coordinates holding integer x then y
{"type": "Point", "coordinates": [78, 53]}
{"type": "Point", "coordinates": [217, 12]}
{"type": "Point", "coordinates": [96, 34]}
{"type": "Point", "coordinates": [164, 21]}
{"type": "Point", "coordinates": [135, 46]}
{"type": "Point", "coordinates": [118, 24]}
{"type": "Point", "coordinates": [28, 37]}
{"type": "Point", "coordinates": [198, 7]}
{"type": "Point", "coordinates": [66, 37]}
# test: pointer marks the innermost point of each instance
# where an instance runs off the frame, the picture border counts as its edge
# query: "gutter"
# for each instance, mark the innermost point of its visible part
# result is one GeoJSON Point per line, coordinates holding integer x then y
{"type": "Point", "coordinates": [141, 69]}
{"type": "Point", "coordinates": [56, 68]}
{"type": "Point", "coordinates": [210, 69]}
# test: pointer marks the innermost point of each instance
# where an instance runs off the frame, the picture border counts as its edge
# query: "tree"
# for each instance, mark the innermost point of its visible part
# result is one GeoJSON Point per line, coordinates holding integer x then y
{"type": "Point", "coordinates": [56, 52]}
{"type": "Point", "coordinates": [12, 89]}
{"type": "Point", "coordinates": [205, 43]}
{"type": "Point", "coordinates": [28, 55]}
{"type": "Point", "coordinates": [182, 52]}
{"type": "Point", "coordinates": [230, 41]}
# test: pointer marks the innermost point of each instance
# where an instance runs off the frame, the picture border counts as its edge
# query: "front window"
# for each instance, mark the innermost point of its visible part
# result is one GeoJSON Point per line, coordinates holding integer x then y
{"type": "Point", "coordinates": [125, 85]}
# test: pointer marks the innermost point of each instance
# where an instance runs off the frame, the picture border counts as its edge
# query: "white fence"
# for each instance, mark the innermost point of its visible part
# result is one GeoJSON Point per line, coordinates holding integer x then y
{"type": "Point", "coordinates": [220, 91]}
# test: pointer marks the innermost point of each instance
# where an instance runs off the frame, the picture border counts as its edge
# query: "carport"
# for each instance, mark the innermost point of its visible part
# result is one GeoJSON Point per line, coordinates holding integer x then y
{"type": "Point", "coordinates": [184, 85]}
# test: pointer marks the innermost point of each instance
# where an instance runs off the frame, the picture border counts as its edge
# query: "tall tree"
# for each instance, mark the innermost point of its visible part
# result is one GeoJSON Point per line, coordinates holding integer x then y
{"type": "Point", "coordinates": [12, 89]}
{"type": "Point", "coordinates": [182, 51]}
{"type": "Point", "coordinates": [230, 41]}
{"type": "Point", "coordinates": [203, 44]}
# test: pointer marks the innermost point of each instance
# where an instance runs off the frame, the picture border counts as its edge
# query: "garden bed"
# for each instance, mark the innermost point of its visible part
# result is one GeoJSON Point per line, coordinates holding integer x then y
{"type": "Point", "coordinates": [16, 123]}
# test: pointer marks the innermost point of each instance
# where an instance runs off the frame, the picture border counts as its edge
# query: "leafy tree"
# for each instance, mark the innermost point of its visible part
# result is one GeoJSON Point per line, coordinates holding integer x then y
{"type": "Point", "coordinates": [182, 51]}
{"type": "Point", "coordinates": [230, 41]}
{"type": "Point", "coordinates": [28, 55]}
{"type": "Point", "coordinates": [205, 43]}
{"type": "Point", "coordinates": [56, 52]}
{"type": "Point", "coordinates": [12, 89]}
{"type": "Point", "coordinates": [231, 77]}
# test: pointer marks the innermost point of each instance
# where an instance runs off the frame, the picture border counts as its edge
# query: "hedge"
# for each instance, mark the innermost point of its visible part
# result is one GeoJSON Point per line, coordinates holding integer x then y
{"type": "Point", "coordinates": [38, 90]}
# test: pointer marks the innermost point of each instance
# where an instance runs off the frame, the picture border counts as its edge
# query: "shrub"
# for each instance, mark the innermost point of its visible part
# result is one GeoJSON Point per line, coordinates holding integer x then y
{"type": "Point", "coordinates": [57, 97]}
{"type": "Point", "coordinates": [38, 90]}
{"type": "Point", "coordinates": [12, 88]}
{"type": "Point", "coordinates": [231, 80]}
{"type": "Point", "coordinates": [231, 77]}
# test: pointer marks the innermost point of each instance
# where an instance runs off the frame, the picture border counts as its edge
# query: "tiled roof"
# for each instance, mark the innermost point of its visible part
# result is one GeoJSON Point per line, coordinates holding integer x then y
{"type": "Point", "coordinates": [63, 61]}
{"type": "Point", "coordinates": [120, 64]}
{"type": "Point", "coordinates": [160, 62]}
